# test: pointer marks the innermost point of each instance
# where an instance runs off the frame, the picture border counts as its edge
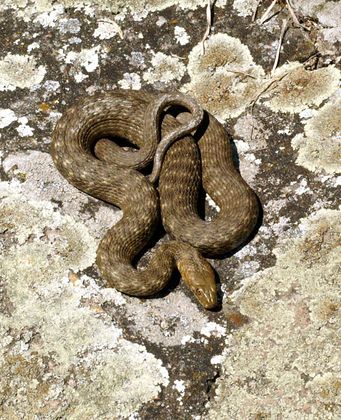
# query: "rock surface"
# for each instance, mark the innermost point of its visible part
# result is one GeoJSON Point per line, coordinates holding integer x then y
{"type": "Point", "coordinates": [72, 348]}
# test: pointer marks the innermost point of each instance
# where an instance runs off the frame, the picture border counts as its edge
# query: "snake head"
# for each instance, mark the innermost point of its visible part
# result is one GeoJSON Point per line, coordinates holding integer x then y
{"type": "Point", "coordinates": [199, 276]}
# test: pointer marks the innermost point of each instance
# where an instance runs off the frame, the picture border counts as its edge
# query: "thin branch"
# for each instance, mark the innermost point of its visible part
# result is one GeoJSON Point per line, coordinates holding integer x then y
{"type": "Point", "coordinates": [267, 12]}
{"type": "Point", "coordinates": [266, 88]}
{"type": "Point", "coordinates": [254, 15]}
{"type": "Point", "coordinates": [241, 73]}
{"type": "Point", "coordinates": [209, 24]}
{"type": "Point", "coordinates": [259, 94]}
{"type": "Point", "coordinates": [280, 42]}
{"type": "Point", "coordinates": [293, 15]}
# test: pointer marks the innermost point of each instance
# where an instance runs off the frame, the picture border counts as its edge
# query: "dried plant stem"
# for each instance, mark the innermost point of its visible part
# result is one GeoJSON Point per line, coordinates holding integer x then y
{"type": "Point", "coordinates": [280, 42]}
{"type": "Point", "coordinates": [254, 15]}
{"type": "Point", "coordinates": [293, 15]}
{"type": "Point", "coordinates": [267, 12]}
{"type": "Point", "coordinates": [209, 24]}
{"type": "Point", "coordinates": [260, 93]}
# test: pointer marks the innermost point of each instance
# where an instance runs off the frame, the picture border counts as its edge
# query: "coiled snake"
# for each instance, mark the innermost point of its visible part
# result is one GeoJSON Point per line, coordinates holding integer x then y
{"type": "Point", "coordinates": [83, 153]}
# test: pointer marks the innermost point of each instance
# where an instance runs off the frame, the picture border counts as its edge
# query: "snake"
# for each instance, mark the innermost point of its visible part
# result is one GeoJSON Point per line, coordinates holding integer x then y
{"type": "Point", "coordinates": [185, 150]}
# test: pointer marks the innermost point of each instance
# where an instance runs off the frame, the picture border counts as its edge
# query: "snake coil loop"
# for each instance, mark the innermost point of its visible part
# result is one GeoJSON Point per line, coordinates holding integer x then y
{"type": "Point", "coordinates": [84, 154]}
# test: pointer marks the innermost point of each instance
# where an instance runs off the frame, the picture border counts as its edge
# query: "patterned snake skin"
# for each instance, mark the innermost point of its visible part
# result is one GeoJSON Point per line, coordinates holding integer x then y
{"type": "Point", "coordinates": [84, 154]}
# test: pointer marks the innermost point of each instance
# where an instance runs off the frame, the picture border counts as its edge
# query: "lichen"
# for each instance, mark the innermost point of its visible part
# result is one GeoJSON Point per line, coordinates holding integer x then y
{"type": "Point", "coordinates": [245, 7]}
{"type": "Point", "coordinates": [164, 321]}
{"type": "Point", "coordinates": [87, 58]}
{"type": "Point", "coordinates": [319, 148]}
{"type": "Point", "coordinates": [7, 116]}
{"type": "Point", "coordinates": [27, 9]}
{"type": "Point", "coordinates": [284, 361]}
{"type": "Point", "coordinates": [54, 322]}
{"type": "Point", "coordinates": [225, 78]}
{"type": "Point", "coordinates": [165, 68]}
{"type": "Point", "coordinates": [20, 71]}
{"type": "Point", "coordinates": [301, 88]}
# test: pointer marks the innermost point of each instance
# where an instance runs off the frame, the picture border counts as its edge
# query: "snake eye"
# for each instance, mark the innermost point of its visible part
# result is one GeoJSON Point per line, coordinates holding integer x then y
{"type": "Point", "coordinates": [199, 292]}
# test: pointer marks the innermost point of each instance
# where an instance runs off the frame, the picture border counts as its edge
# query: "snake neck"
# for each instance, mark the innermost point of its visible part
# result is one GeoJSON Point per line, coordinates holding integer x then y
{"type": "Point", "coordinates": [119, 271]}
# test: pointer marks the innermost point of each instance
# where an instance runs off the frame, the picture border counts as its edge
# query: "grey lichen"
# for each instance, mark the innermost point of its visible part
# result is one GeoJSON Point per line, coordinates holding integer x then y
{"type": "Point", "coordinates": [226, 78]}
{"type": "Point", "coordinates": [26, 9]}
{"type": "Point", "coordinates": [20, 71]}
{"type": "Point", "coordinates": [298, 88]}
{"type": "Point", "coordinates": [284, 361]}
{"type": "Point", "coordinates": [165, 68]}
{"type": "Point", "coordinates": [319, 148]}
{"type": "Point", "coordinates": [245, 7]}
{"type": "Point", "coordinates": [52, 318]}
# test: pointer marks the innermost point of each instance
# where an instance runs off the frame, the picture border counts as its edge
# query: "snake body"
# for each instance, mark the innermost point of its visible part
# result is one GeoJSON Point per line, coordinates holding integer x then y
{"type": "Point", "coordinates": [82, 151]}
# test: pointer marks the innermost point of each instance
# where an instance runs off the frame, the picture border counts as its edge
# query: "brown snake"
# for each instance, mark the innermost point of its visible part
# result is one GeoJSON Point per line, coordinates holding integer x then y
{"type": "Point", "coordinates": [83, 153]}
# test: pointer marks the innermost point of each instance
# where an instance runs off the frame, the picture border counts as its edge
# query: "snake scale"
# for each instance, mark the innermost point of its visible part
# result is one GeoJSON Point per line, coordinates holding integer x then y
{"type": "Point", "coordinates": [83, 151]}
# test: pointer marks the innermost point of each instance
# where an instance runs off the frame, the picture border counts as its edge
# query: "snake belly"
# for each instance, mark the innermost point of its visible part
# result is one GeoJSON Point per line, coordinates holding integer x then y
{"type": "Point", "coordinates": [84, 154]}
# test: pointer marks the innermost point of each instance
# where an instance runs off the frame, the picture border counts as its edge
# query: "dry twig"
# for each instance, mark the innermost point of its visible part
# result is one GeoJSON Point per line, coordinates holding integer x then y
{"type": "Point", "coordinates": [254, 15]}
{"type": "Point", "coordinates": [259, 94]}
{"type": "Point", "coordinates": [293, 15]}
{"type": "Point", "coordinates": [267, 12]}
{"type": "Point", "coordinates": [209, 24]}
{"type": "Point", "coordinates": [280, 42]}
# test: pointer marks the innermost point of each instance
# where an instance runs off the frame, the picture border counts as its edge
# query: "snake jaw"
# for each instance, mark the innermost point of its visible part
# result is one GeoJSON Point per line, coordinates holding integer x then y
{"type": "Point", "coordinates": [199, 276]}
{"type": "Point", "coordinates": [207, 298]}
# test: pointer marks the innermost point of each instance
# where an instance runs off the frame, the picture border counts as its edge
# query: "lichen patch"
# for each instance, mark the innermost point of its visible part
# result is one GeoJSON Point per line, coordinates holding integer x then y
{"type": "Point", "coordinates": [26, 9]}
{"type": "Point", "coordinates": [87, 58]}
{"type": "Point", "coordinates": [53, 321]}
{"type": "Point", "coordinates": [7, 116]}
{"type": "Point", "coordinates": [301, 88]}
{"type": "Point", "coordinates": [293, 311]}
{"type": "Point", "coordinates": [165, 69]}
{"type": "Point", "coordinates": [20, 71]}
{"type": "Point", "coordinates": [225, 78]}
{"type": "Point", "coordinates": [245, 7]}
{"type": "Point", "coordinates": [319, 148]}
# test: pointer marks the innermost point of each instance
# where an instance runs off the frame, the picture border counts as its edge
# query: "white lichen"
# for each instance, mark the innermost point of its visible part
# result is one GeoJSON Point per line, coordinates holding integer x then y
{"type": "Point", "coordinates": [107, 29]}
{"type": "Point", "coordinates": [245, 7]}
{"type": "Point", "coordinates": [225, 78]}
{"type": "Point", "coordinates": [301, 88]}
{"type": "Point", "coordinates": [20, 71]}
{"type": "Point", "coordinates": [181, 35]}
{"type": "Point", "coordinates": [84, 350]}
{"type": "Point", "coordinates": [130, 81]}
{"type": "Point", "coordinates": [23, 129]}
{"type": "Point", "coordinates": [284, 361]}
{"type": "Point", "coordinates": [7, 116]}
{"type": "Point", "coordinates": [165, 68]}
{"type": "Point", "coordinates": [319, 148]}
{"type": "Point", "coordinates": [87, 58]}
